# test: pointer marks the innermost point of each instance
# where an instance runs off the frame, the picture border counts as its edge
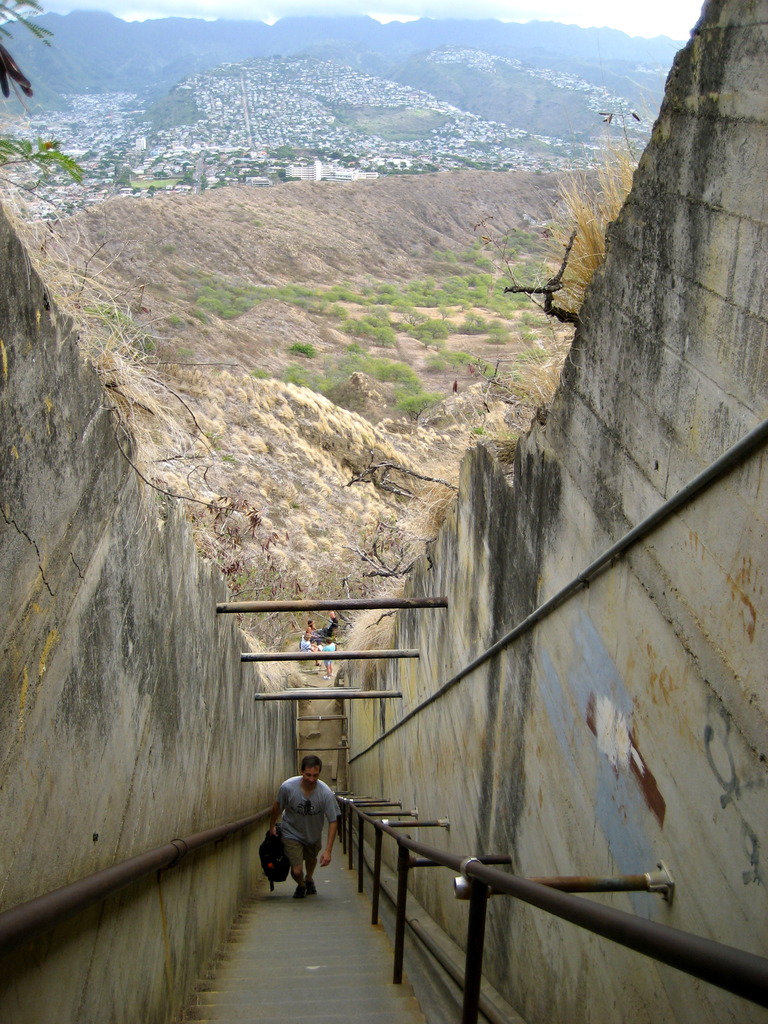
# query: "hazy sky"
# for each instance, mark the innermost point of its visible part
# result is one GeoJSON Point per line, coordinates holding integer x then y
{"type": "Point", "coordinates": [674, 18]}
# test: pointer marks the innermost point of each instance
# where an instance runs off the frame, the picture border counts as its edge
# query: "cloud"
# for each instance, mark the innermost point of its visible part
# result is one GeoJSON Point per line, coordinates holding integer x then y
{"type": "Point", "coordinates": [649, 18]}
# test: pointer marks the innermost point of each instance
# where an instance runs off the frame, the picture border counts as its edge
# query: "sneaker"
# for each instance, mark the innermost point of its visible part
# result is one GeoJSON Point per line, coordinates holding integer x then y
{"type": "Point", "coordinates": [300, 893]}
{"type": "Point", "coordinates": [311, 888]}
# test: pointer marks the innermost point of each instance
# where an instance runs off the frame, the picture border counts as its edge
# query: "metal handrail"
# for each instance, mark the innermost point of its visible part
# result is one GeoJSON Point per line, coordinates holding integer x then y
{"type": "Point", "coordinates": [751, 441]}
{"type": "Point", "coordinates": [23, 922]}
{"type": "Point", "coordinates": [738, 971]}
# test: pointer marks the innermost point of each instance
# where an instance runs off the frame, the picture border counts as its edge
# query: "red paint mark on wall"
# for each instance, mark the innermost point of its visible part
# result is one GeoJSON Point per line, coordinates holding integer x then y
{"type": "Point", "coordinates": [616, 741]}
{"type": "Point", "coordinates": [647, 782]}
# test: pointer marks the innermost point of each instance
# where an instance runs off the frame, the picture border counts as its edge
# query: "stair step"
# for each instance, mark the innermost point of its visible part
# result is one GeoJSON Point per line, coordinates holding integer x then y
{"type": "Point", "coordinates": [312, 961]}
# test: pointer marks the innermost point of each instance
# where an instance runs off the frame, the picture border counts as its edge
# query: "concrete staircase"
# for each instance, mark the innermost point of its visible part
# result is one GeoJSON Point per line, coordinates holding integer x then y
{"type": "Point", "coordinates": [317, 960]}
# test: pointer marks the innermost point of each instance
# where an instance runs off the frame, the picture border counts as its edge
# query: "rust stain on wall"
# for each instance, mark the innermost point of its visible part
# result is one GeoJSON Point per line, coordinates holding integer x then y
{"type": "Point", "coordinates": [750, 615]}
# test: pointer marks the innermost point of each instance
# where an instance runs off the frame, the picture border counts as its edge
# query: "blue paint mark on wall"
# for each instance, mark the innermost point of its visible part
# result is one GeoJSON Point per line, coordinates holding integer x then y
{"type": "Point", "coordinates": [593, 706]}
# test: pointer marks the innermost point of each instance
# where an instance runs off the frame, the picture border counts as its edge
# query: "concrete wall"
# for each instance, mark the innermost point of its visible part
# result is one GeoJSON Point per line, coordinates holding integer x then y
{"type": "Point", "coordinates": [631, 725]}
{"type": "Point", "coordinates": [126, 719]}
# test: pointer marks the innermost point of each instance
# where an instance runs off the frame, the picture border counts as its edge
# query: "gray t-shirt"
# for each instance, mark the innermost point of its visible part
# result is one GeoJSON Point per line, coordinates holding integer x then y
{"type": "Point", "coordinates": [303, 815]}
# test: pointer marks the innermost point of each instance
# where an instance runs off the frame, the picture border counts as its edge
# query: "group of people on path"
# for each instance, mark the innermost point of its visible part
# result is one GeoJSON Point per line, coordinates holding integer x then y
{"type": "Point", "coordinates": [319, 640]}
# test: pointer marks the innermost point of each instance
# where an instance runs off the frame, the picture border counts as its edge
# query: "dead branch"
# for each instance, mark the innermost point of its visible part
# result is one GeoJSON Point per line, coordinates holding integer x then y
{"type": "Point", "coordinates": [368, 475]}
{"type": "Point", "coordinates": [379, 567]}
{"type": "Point", "coordinates": [554, 284]}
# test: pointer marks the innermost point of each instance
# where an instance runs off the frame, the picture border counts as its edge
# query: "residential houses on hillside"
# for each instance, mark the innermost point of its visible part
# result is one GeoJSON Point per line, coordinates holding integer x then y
{"type": "Point", "coordinates": [260, 122]}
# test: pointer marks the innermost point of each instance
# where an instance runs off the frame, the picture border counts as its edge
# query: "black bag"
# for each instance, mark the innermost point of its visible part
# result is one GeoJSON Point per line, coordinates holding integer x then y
{"type": "Point", "coordinates": [273, 860]}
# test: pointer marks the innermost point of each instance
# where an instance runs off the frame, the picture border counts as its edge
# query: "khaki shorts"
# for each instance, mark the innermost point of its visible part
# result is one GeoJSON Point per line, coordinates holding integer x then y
{"type": "Point", "coordinates": [297, 852]}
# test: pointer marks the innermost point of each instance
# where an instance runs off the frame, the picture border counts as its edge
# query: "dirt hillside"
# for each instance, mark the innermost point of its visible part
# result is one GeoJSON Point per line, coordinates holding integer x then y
{"type": "Point", "coordinates": [284, 499]}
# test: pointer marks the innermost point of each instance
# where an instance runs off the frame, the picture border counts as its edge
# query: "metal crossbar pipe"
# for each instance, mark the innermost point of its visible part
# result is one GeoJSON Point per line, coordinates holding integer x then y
{"type": "Point", "coordinates": [738, 971]}
{"type": "Point", "coordinates": [337, 693]}
{"type": "Point", "coordinates": [403, 814]}
{"type": "Point", "coordinates": [369, 801]}
{"type": "Point", "coordinates": [345, 604]}
{"type": "Point", "coordinates": [437, 823]}
{"type": "Point", "coordinates": [23, 922]}
{"type": "Point", "coordinates": [647, 882]}
{"type": "Point", "coordinates": [341, 746]}
{"type": "Point", "coordinates": [321, 718]}
{"type": "Point", "coordinates": [659, 882]}
{"type": "Point", "coordinates": [321, 655]}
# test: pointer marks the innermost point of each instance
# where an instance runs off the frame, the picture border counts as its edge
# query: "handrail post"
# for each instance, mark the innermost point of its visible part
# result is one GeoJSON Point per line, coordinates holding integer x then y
{"type": "Point", "coordinates": [403, 864]}
{"type": "Point", "coordinates": [360, 838]}
{"type": "Point", "coordinates": [343, 836]}
{"type": "Point", "coordinates": [376, 876]}
{"type": "Point", "coordinates": [350, 844]}
{"type": "Point", "coordinates": [473, 970]}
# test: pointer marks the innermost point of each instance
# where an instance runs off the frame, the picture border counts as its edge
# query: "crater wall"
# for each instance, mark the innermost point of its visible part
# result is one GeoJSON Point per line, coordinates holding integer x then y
{"type": "Point", "coordinates": [629, 725]}
{"type": "Point", "coordinates": [126, 720]}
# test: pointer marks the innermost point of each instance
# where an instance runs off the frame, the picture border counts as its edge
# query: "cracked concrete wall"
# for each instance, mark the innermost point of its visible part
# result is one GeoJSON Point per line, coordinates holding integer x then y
{"type": "Point", "coordinates": [631, 725]}
{"type": "Point", "coordinates": [126, 718]}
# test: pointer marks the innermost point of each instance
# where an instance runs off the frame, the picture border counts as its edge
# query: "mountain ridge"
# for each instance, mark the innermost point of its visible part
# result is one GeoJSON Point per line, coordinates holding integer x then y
{"type": "Point", "coordinates": [98, 52]}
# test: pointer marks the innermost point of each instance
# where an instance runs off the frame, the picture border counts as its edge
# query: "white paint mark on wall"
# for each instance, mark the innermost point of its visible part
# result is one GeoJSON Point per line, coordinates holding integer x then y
{"type": "Point", "coordinates": [612, 733]}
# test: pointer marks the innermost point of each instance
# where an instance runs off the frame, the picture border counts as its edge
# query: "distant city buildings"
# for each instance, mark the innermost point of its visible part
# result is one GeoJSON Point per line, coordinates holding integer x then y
{"type": "Point", "coordinates": [260, 122]}
{"type": "Point", "coordinates": [319, 171]}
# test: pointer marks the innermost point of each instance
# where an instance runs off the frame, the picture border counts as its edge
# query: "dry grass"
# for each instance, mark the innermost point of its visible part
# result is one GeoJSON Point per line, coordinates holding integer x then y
{"type": "Point", "coordinates": [532, 382]}
{"type": "Point", "coordinates": [423, 517]}
{"type": "Point", "coordinates": [373, 630]}
{"type": "Point", "coordinates": [506, 448]}
{"type": "Point", "coordinates": [588, 203]}
{"type": "Point", "coordinates": [120, 343]}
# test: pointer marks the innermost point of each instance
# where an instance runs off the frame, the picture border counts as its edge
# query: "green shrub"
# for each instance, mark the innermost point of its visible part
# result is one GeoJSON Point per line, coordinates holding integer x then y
{"type": "Point", "coordinates": [342, 293]}
{"type": "Point", "coordinates": [226, 299]}
{"type": "Point", "coordinates": [473, 324]}
{"type": "Point", "coordinates": [337, 311]}
{"type": "Point", "coordinates": [294, 374]}
{"type": "Point", "coordinates": [304, 348]}
{"type": "Point", "coordinates": [374, 326]}
{"type": "Point", "coordinates": [431, 330]}
{"type": "Point", "coordinates": [498, 332]}
{"type": "Point", "coordinates": [414, 404]}
{"type": "Point", "coordinates": [454, 360]}
{"type": "Point", "coordinates": [387, 294]}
